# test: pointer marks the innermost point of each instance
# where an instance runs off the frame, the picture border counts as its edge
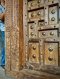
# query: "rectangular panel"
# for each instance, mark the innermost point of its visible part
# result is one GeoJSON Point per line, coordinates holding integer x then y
{"type": "Point", "coordinates": [32, 30]}
{"type": "Point", "coordinates": [49, 26]}
{"type": "Point", "coordinates": [36, 15]}
{"type": "Point", "coordinates": [34, 52]}
{"type": "Point", "coordinates": [51, 53]}
{"type": "Point", "coordinates": [48, 33]}
{"type": "Point", "coordinates": [32, 4]}
{"type": "Point", "coordinates": [33, 16]}
{"type": "Point", "coordinates": [53, 14]}
{"type": "Point", "coordinates": [35, 4]}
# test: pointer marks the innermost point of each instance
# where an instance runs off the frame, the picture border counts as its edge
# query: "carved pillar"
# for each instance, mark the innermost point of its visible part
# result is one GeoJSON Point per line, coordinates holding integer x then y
{"type": "Point", "coordinates": [14, 35]}
{"type": "Point", "coordinates": [21, 35]}
{"type": "Point", "coordinates": [8, 25]}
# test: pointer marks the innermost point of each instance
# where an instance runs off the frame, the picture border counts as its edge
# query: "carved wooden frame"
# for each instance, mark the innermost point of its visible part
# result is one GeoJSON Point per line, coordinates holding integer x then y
{"type": "Point", "coordinates": [14, 35]}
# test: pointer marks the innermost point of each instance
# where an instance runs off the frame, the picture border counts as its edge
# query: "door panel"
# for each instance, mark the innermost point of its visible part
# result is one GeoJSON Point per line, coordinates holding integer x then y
{"type": "Point", "coordinates": [32, 4]}
{"type": "Point", "coordinates": [53, 14]}
{"type": "Point", "coordinates": [51, 53]}
{"type": "Point", "coordinates": [33, 15]}
{"type": "Point", "coordinates": [32, 30]}
{"type": "Point", "coordinates": [48, 33]}
{"type": "Point", "coordinates": [34, 53]}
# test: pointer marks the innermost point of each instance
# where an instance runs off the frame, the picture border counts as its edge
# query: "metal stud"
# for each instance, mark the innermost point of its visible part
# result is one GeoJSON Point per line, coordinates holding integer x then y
{"type": "Point", "coordinates": [53, 19]}
{"type": "Point", "coordinates": [50, 49]}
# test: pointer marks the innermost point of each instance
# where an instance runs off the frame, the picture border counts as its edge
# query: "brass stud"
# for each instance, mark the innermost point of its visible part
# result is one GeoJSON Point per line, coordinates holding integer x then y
{"type": "Point", "coordinates": [32, 34]}
{"type": "Point", "coordinates": [34, 56]}
{"type": "Point", "coordinates": [34, 48]}
{"type": "Point", "coordinates": [43, 33]}
{"type": "Point", "coordinates": [50, 59]}
{"type": "Point", "coordinates": [50, 49]}
{"type": "Point", "coordinates": [51, 33]}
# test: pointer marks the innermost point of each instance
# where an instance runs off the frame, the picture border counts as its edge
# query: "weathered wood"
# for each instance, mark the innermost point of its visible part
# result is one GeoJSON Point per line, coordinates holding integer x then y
{"type": "Point", "coordinates": [32, 74]}
{"type": "Point", "coordinates": [51, 69]}
{"type": "Point", "coordinates": [14, 35]}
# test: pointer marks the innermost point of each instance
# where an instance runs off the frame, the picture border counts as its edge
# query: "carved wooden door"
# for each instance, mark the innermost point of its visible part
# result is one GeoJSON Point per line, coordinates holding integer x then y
{"type": "Point", "coordinates": [42, 32]}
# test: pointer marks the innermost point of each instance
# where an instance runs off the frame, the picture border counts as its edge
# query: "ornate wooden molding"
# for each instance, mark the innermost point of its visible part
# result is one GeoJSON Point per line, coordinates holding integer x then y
{"type": "Point", "coordinates": [14, 34]}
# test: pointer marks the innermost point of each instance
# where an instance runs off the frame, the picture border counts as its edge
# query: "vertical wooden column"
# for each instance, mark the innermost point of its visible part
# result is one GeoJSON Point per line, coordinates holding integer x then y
{"type": "Point", "coordinates": [14, 35]}
{"type": "Point", "coordinates": [8, 25]}
{"type": "Point", "coordinates": [21, 35]}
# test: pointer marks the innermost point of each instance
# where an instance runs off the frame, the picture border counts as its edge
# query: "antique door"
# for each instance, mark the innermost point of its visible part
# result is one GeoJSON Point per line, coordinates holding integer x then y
{"type": "Point", "coordinates": [42, 32]}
